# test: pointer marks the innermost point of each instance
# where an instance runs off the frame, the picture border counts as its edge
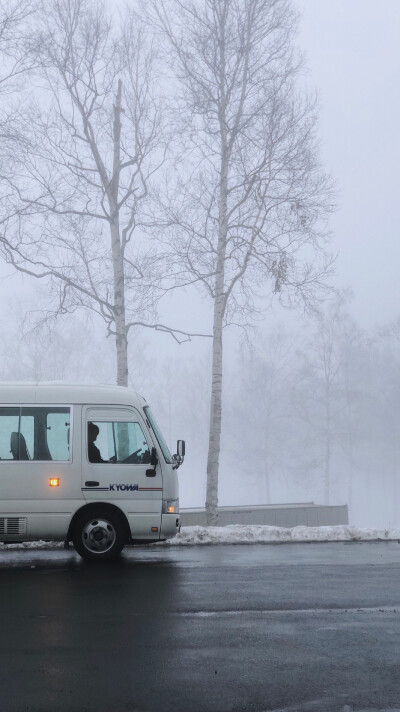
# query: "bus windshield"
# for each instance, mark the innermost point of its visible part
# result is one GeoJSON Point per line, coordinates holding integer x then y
{"type": "Point", "coordinates": [163, 445]}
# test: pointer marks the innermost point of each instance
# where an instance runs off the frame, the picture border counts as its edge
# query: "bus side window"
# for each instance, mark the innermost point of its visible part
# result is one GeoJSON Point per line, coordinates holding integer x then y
{"type": "Point", "coordinates": [9, 423]}
{"type": "Point", "coordinates": [57, 426]}
{"type": "Point", "coordinates": [120, 442]}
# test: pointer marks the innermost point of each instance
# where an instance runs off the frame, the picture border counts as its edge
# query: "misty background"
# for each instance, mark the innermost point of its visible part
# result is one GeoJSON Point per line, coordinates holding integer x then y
{"type": "Point", "coordinates": [308, 398]}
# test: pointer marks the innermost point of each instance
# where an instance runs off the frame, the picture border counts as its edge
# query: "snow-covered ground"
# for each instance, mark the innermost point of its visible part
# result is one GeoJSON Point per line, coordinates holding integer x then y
{"type": "Point", "coordinates": [247, 534]}
{"type": "Point", "coordinates": [252, 534]}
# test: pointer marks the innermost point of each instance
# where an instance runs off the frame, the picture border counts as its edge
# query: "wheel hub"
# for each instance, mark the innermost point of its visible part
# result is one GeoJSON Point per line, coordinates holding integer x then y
{"type": "Point", "coordinates": [98, 535]}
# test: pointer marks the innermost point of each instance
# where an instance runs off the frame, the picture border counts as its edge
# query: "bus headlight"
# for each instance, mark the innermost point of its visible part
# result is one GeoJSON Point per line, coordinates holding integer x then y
{"type": "Point", "coordinates": [170, 506]}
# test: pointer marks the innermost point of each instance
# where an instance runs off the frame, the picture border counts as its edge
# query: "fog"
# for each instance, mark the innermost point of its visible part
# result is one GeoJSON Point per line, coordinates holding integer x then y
{"type": "Point", "coordinates": [352, 56]}
{"type": "Point", "coordinates": [310, 398]}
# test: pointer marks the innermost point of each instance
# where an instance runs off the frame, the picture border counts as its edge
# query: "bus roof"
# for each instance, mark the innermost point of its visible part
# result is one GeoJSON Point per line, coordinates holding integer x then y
{"type": "Point", "coordinates": [68, 394]}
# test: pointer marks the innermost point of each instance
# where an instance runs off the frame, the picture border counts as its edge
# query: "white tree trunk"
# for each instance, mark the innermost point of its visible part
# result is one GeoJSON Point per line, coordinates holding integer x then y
{"type": "Point", "coordinates": [267, 485]}
{"type": "Point", "coordinates": [350, 446]}
{"type": "Point", "coordinates": [121, 340]}
{"type": "Point", "coordinates": [327, 455]}
{"type": "Point", "coordinates": [214, 444]}
{"type": "Point", "coordinates": [350, 449]}
{"type": "Point", "coordinates": [395, 476]}
{"type": "Point", "coordinates": [117, 251]}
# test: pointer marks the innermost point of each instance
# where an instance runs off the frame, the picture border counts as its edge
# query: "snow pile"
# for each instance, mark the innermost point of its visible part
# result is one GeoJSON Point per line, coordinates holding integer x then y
{"type": "Point", "coordinates": [256, 534]}
{"type": "Point", "coordinates": [250, 534]}
{"type": "Point", "coordinates": [34, 545]}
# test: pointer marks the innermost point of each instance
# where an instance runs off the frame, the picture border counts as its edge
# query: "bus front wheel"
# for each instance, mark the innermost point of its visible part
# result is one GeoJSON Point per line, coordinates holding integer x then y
{"type": "Point", "coordinates": [98, 535]}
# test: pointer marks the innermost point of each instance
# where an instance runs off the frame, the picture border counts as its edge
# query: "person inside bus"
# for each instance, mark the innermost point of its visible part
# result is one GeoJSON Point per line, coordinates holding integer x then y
{"type": "Point", "coordinates": [93, 451]}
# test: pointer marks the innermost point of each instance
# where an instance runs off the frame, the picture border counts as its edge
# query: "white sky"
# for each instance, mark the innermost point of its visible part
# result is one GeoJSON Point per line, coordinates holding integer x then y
{"type": "Point", "coordinates": [353, 54]}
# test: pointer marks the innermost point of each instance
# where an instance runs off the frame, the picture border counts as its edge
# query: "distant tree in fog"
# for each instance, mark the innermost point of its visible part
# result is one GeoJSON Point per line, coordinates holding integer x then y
{"type": "Point", "coordinates": [62, 352]}
{"type": "Point", "coordinates": [93, 141]}
{"type": "Point", "coordinates": [242, 212]}
{"type": "Point", "coordinates": [323, 395]}
{"type": "Point", "coordinates": [379, 418]}
{"type": "Point", "coordinates": [258, 413]}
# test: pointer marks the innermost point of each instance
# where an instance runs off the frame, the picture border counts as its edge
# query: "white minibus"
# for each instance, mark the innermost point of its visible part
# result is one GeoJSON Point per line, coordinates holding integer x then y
{"type": "Point", "coordinates": [87, 465]}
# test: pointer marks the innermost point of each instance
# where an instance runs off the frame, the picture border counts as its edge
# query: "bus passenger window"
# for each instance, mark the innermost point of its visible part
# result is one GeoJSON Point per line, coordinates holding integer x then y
{"type": "Point", "coordinates": [34, 433]}
{"type": "Point", "coordinates": [9, 426]}
{"type": "Point", "coordinates": [57, 429]}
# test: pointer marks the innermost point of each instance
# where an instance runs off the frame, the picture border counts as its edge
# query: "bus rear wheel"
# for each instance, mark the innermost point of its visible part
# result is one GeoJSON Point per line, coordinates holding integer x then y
{"type": "Point", "coordinates": [99, 535]}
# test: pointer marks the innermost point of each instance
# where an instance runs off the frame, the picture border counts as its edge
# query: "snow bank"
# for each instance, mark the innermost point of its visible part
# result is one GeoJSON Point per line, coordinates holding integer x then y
{"type": "Point", "coordinates": [33, 545]}
{"type": "Point", "coordinates": [255, 534]}
{"type": "Point", "coordinates": [251, 534]}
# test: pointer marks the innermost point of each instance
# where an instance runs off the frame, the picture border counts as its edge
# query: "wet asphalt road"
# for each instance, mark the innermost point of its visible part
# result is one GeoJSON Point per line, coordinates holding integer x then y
{"type": "Point", "coordinates": [202, 629]}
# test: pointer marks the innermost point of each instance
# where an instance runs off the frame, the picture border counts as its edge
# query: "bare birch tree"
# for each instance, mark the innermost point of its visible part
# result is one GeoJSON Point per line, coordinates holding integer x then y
{"type": "Point", "coordinates": [323, 395]}
{"type": "Point", "coordinates": [243, 218]}
{"type": "Point", "coordinates": [93, 140]}
{"type": "Point", "coordinates": [264, 388]}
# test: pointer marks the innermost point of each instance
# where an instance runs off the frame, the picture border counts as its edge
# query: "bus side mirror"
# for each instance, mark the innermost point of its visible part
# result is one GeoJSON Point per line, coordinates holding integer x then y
{"type": "Point", "coordinates": [180, 449]}
{"type": "Point", "coordinates": [154, 457]}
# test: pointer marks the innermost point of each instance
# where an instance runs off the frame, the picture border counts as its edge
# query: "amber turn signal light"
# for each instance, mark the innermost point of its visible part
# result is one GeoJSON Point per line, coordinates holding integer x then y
{"type": "Point", "coordinates": [54, 481]}
{"type": "Point", "coordinates": [154, 529]}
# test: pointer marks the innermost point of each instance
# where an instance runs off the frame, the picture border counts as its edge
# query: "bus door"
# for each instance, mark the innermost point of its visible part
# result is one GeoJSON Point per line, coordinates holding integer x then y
{"type": "Point", "coordinates": [116, 466]}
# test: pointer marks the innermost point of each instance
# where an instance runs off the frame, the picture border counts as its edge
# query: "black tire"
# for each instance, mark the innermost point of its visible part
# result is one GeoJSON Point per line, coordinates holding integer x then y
{"type": "Point", "coordinates": [99, 535]}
